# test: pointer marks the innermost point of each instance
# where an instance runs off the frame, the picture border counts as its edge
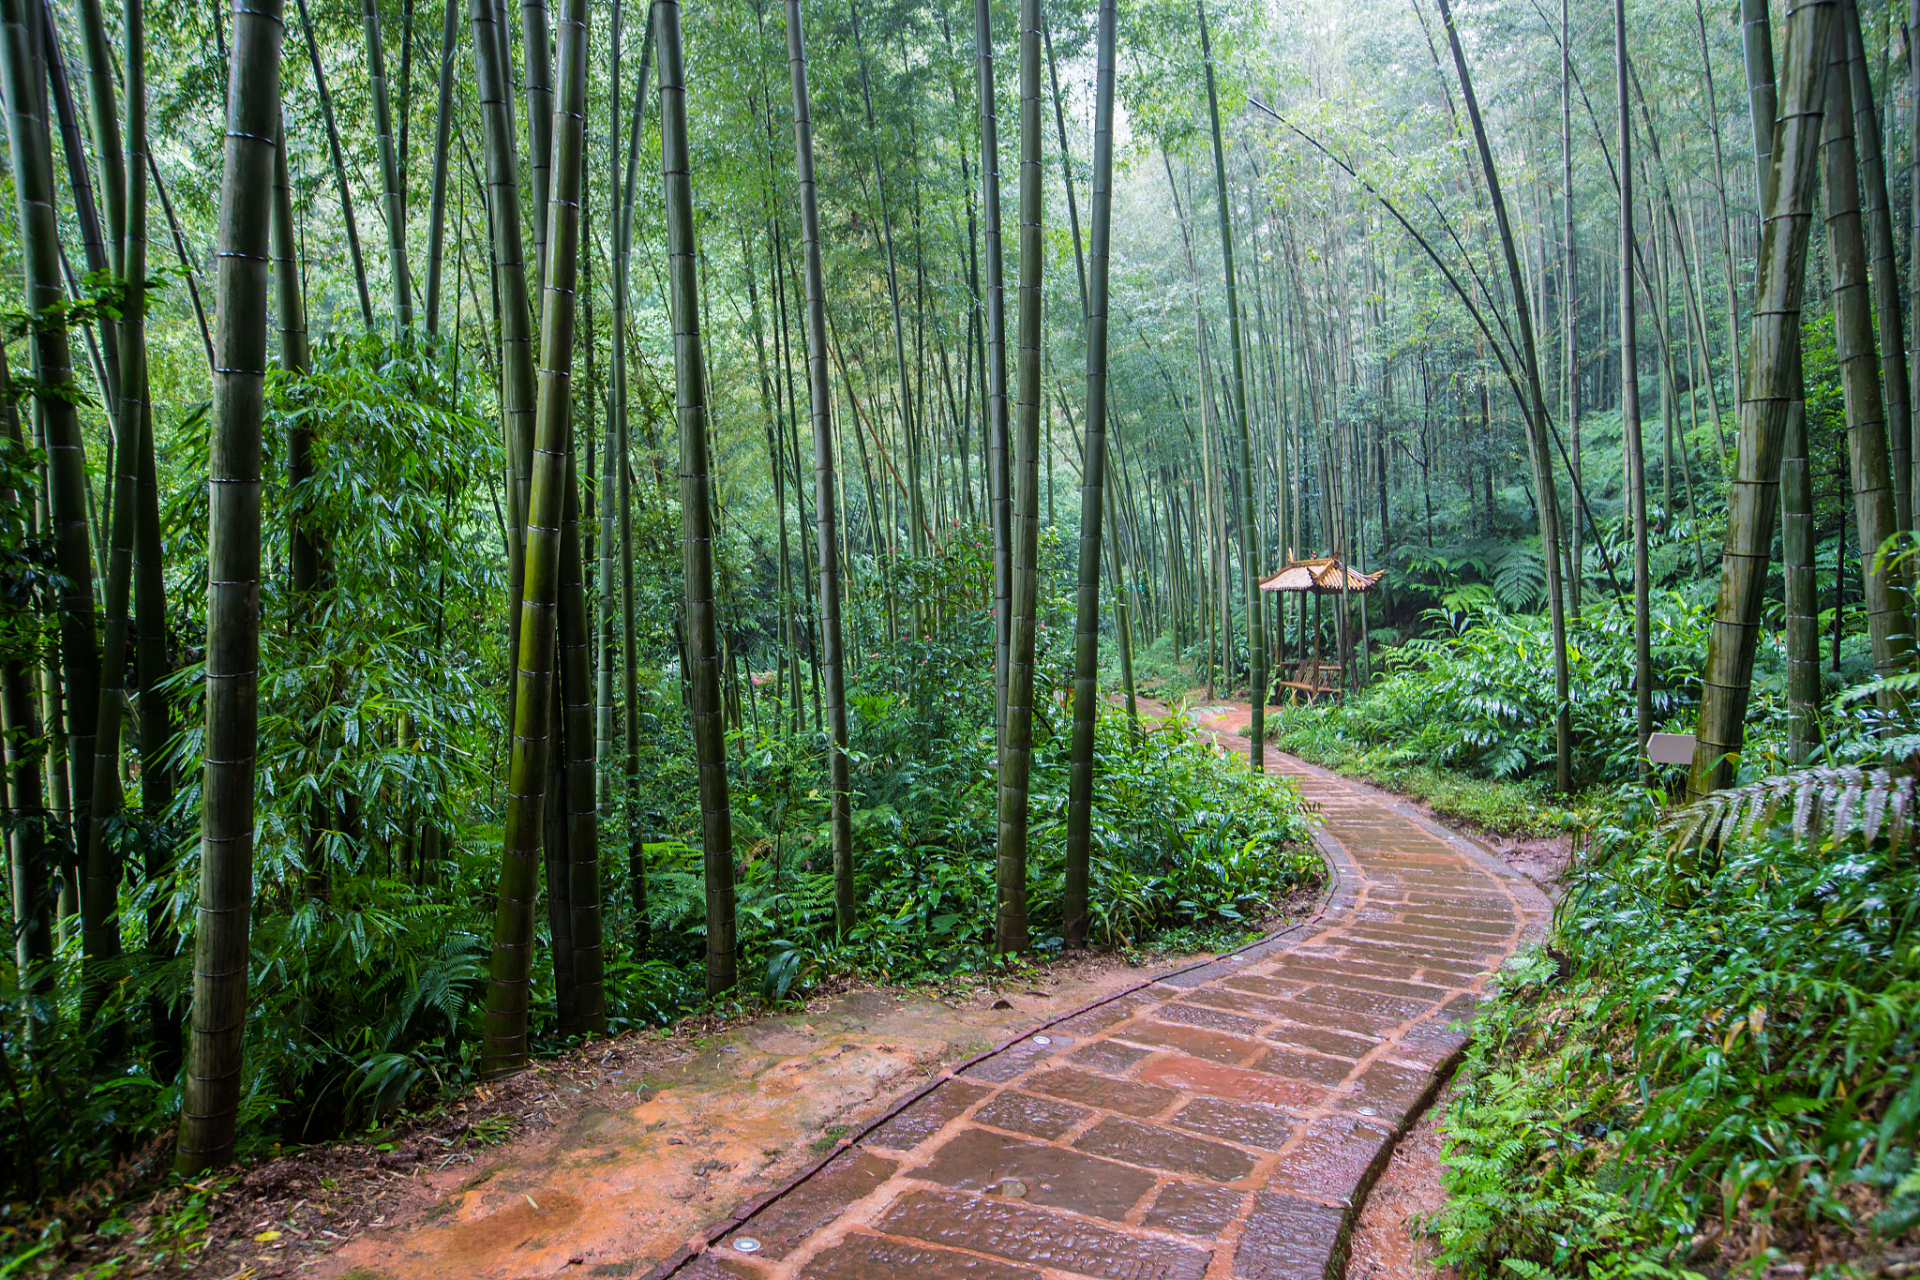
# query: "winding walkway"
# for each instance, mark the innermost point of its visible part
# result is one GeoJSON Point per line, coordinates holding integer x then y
{"type": "Point", "coordinates": [1221, 1123]}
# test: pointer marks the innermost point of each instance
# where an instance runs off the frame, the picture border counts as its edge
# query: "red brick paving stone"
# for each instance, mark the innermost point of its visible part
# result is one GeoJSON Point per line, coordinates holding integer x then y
{"type": "Point", "coordinates": [1112, 1095]}
{"type": "Point", "coordinates": [927, 1116]}
{"type": "Point", "coordinates": [1367, 982]}
{"type": "Point", "coordinates": [1016, 1058]}
{"type": "Point", "coordinates": [1331, 1160]}
{"type": "Point", "coordinates": [1260, 984]}
{"type": "Point", "coordinates": [1430, 1042]}
{"type": "Point", "coordinates": [1247, 1123]}
{"type": "Point", "coordinates": [1055, 1176]}
{"type": "Point", "coordinates": [785, 1221]}
{"type": "Point", "coordinates": [1264, 1007]}
{"type": "Point", "coordinates": [1392, 1089]}
{"type": "Point", "coordinates": [1353, 1000]}
{"type": "Point", "coordinates": [863, 1257]}
{"type": "Point", "coordinates": [1102, 1016]}
{"type": "Point", "coordinates": [1024, 1113]}
{"type": "Point", "coordinates": [1194, 1015]}
{"type": "Point", "coordinates": [1195, 1041]}
{"type": "Point", "coordinates": [1311, 1067]}
{"type": "Point", "coordinates": [709, 1266]}
{"type": "Point", "coordinates": [1190, 1075]}
{"type": "Point", "coordinates": [1107, 1056]}
{"type": "Point", "coordinates": [1009, 1229]}
{"type": "Point", "coordinates": [1288, 1239]}
{"type": "Point", "coordinates": [1194, 1209]}
{"type": "Point", "coordinates": [1349, 1021]}
{"type": "Point", "coordinates": [1158, 1147]}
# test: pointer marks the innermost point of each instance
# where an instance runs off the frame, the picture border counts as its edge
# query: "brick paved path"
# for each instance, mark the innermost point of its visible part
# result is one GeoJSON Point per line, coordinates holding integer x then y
{"type": "Point", "coordinates": [1221, 1123]}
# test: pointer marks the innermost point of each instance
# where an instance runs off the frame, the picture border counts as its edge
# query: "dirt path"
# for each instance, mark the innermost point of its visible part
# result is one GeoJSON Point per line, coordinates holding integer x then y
{"type": "Point", "coordinates": [1223, 1121]}
{"type": "Point", "coordinates": [620, 1167]}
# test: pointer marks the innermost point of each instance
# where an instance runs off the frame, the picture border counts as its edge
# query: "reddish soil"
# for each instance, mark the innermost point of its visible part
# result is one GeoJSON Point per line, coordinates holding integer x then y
{"type": "Point", "coordinates": [1386, 1242]}
{"type": "Point", "coordinates": [617, 1151]}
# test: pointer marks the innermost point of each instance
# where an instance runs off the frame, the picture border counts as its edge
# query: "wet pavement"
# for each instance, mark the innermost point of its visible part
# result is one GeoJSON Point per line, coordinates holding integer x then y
{"type": "Point", "coordinates": [1223, 1122]}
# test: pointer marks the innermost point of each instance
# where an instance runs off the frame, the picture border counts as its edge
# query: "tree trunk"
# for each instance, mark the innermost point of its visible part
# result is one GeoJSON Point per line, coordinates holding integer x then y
{"type": "Point", "coordinates": [820, 392]}
{"type": "Point", "coordinates": [1768, 394]}
{"type": "Point", "coordinates": [31, 146]}
{"type": "Point", "coordinates": [996, 360]}
{"type": "Point", "coordinates": [703, 643]}
{"type": "Point", "coordinates": [1016, 757]}
{"type": "Point", "coordinates": [1093, 503]}
{"type": "Point", "coordinates": [339, 167]}
{"type": "Point", "coordinates": [442, 163]}
{"type": "Point", "coordinates": [1860, 370]}
{"type": "Point", "coordinates": [1536, 414]}
{"type": "Point", "coordinates": [1241, 460]}
{"type": "Point", "coordinates": [211, 1103]}
{"type": "Point", "coordinates": [390, 177]}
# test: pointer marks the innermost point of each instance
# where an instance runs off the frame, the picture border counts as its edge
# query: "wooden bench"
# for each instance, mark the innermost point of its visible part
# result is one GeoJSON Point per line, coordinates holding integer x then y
{"type": "Point", "coordinates": [1312, 679]}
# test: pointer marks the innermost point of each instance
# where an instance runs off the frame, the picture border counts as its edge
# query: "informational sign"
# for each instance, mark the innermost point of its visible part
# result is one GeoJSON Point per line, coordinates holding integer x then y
{"type": "Point", "coordinates": [1670, 748]}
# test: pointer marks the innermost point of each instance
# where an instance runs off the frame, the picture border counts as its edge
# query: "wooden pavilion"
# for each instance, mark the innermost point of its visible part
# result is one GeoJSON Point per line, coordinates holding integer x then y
{"type": "Point", "coordinates": [1327, 576]}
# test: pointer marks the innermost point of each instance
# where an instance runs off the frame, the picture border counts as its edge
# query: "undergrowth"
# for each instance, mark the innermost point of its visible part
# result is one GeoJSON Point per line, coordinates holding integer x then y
{"type": "Point", "coordinates": [1715, 1070]}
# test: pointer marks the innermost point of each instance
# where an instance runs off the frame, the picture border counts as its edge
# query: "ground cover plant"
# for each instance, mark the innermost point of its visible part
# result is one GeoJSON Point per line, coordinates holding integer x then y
{"type": "Point", "coordinates": [1713, 1068]}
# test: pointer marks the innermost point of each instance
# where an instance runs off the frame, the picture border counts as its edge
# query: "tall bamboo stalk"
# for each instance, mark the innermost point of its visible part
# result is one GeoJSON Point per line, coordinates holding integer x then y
{"type": "Point", "coordinates": [1094, 501]}
{"type": "Point", "coordinates": [391, 182]}
{"type": "Point", "coordinates": [104, 872]}
{"type": "Point", "coordinates": [999, 491]}
{"type": "Point", "coordinates": [491, 81]}
{"type": "Point", "coordinates": [1545, 488]}
{"type": "Point", "coordinates": [1859, 359]}
{"type": "Point", "coordinates": [32, 891]}
{"type": "Point", "coordinates": [339, 167]}
{"type": "Point", "coordinates": [705, 710]}
{"type": "Point", "coordinates": [1630, 442]}
{"type": "Point", "coordinates": [1767, 397]}
{"type": "Point", "coordinates": [1016, 756]}
{"type": "Point", "coordinates": [820, 392]}
{"type": "Point", "coordinates": [1885, 269]}
{"type": "Point", "coordinates": [511, 971]}
{"type": "Point", "coordinates": [211, 1103]}
{"type": "Point", "coordinates": [442, 164]}
{"type": "Point", "coordinates": [1240, 459]}
{"type": "Point", "coordinates": [29, 136]}
{"type": "Point", "coordinates": [537, 56]}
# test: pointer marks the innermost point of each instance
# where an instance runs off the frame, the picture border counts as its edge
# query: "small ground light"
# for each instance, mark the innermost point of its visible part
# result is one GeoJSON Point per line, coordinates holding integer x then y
{"type": "Point", "coordinates": [1368, 1111]}
{"type": "Point", "coordinates": [746, 1244]}
{"type": "Point", "coordinates": [1043, 1039]}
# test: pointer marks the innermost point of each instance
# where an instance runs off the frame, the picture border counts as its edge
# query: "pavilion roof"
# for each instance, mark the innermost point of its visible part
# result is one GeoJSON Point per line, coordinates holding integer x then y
{"type": "Point", "coordinates": [1324, 576]}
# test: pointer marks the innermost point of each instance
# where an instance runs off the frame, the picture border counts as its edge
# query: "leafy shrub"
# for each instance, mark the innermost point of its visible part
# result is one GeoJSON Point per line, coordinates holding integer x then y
{"type": "Point", "coordinates": [1735, 1047]}
{"type": "Point", "coordinates": [1479, 698]}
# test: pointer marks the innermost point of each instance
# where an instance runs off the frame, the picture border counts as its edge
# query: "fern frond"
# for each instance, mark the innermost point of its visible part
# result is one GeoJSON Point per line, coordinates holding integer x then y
{"type": "Point", "coordinates": [1827, 803]}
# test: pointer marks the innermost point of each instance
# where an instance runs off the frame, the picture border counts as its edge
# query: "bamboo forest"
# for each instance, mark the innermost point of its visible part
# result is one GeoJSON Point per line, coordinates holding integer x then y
{"type": "Point", "coordinates": [841, 639]}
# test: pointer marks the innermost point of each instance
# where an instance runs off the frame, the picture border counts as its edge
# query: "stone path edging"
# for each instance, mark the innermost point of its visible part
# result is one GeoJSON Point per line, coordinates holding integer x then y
{"type": "Point", "coordinates": [1220, 1122]}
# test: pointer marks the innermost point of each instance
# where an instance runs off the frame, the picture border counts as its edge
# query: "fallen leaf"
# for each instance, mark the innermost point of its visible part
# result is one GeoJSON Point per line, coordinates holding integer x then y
{"type": "Point", "coordinates": [266, 1237]}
